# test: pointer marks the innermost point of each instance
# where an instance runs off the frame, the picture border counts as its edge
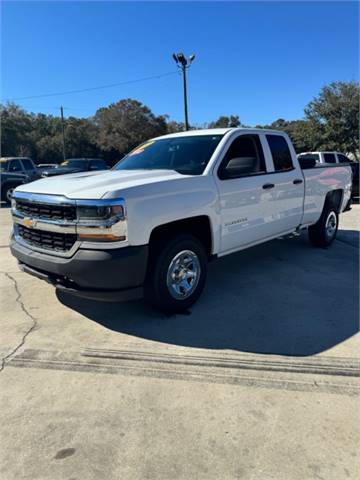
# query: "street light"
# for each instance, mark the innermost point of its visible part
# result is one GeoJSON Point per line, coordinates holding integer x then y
{"type": "Point", "coordinates": [184, 63]}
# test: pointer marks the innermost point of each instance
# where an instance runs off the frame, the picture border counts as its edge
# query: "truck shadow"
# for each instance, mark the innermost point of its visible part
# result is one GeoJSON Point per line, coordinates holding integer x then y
{"type": "Point", "coordinates": [284, 298]}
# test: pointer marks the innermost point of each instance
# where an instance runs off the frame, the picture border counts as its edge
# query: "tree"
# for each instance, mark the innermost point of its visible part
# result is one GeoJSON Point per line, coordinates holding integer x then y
{"type": "Point", "coordinates": [302, 133]}
{"type": "Point", "coordinates": [80, 135]}
{"type": "Point", "coordinates": [335, 114]}
{"type": "Point", "coordinates": [125, 124]}
{"type": "Point", "coordinates": [226, 122]}
{"type": "Point", "coordinates": [16, 127]}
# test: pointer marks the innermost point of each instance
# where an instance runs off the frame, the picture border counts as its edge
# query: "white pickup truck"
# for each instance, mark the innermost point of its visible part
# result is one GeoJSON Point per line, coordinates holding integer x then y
{"type": "Point", "coordinates": [151, 224]}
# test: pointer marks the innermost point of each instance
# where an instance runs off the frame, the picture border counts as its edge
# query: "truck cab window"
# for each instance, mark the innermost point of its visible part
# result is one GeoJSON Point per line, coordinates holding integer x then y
{"type": "Point", "coordinates": [280, 153]}
{"type": "Point", "coordinates": [329, 158]}
{"type": "Point", "coordinates": [245, 157]}
{"type": "Point", "coordinates": [343, 159]}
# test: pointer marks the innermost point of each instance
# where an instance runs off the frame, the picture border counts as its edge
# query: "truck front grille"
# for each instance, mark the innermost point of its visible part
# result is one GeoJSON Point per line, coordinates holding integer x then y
{"type": "Point", "coordinates": [46, 210]}
{"type": "Point", "coordinates": [47, 240]}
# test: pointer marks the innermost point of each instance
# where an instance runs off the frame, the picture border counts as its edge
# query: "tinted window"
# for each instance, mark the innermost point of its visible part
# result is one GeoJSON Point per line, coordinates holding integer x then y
{"type": "Point", "coordinates": [27, 164]}
{"type": "Point", "coordinates": [280, 153]}
{"type": "Point", "coordinates": [244, 157]}
{"type": "Point", "coordinates": [343, 159]}
{"type": "Point", "coordinates": [79, 163]}
{"type": "Point", "coordinates": [97, 164]}
{"type": "Point", "coordinates": [329, 158]}
{"type": "Point", "coordinates": [15, 166]}
{"type": "Point", "coordinates": [310, 156]}
{"type": "Point", "coordinates": [186, 155]}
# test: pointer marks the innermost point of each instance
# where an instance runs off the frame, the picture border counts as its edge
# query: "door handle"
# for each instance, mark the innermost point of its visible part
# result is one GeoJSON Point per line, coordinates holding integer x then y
{"type": "Point", "coordinates": [267, 186]}
{"type": "Point", "coordinates": [297, 181]}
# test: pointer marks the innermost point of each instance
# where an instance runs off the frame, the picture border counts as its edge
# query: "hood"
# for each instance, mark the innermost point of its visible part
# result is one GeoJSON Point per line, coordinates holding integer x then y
{"type": "Point", "coordinates": [94, 185]}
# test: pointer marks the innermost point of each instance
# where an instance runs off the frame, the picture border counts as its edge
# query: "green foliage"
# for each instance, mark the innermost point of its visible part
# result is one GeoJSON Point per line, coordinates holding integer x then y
{"type": "Point", "coordinates": [303, 135]}
{"type": "Point", "coordinates": [334, 113]}
{"type": "Point", "coordinates": [123, 125]}
{"type": "Point", "coordinates": [331, 123]}
{"type": "Point", "coordinates": [226, 122]}
{"type": "Point", "coordinates": [16, 128]}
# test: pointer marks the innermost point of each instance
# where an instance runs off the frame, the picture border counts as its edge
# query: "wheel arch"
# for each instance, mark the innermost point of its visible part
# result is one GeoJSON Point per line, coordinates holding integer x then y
{"type": "Point", "coordinates": [334, 199]}
{"type": "Point", "coordinates": [198, 226]}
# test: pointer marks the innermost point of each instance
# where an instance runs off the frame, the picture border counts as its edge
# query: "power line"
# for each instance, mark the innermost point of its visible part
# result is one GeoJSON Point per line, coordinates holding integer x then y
{"type": "Point", "coordinates": [110, 85]}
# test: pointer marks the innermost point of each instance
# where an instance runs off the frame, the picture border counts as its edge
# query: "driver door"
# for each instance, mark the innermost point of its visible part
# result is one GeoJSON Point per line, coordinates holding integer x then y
{"type": "Point", "coordinates": [245, 197]}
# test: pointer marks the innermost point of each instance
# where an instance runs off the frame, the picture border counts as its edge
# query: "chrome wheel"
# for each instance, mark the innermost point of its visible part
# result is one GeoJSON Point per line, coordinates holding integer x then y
{"type": "Point", "coordinates": [331, 225]}
{"type": "Point", "coordinates": [183, 274]}
{"type": "Point", "coordinates": [9, 193]}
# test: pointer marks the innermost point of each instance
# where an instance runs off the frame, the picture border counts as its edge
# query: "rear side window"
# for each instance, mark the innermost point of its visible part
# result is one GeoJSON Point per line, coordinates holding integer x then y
{"type": "Point", "coordinates": [280, 153]}
{"type": "Point", "coordinates": [329, 158]}
{"type": "Point", "coordinates": [27, 164]}
{"type": "Point", "coordinates": [245, 157]}
{"type": "Point", "coordinates": [343, 159]}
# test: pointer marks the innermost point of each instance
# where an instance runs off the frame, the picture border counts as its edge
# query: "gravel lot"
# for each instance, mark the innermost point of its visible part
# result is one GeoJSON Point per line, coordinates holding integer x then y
{"type": "Point", "coordinates": [260, 381]}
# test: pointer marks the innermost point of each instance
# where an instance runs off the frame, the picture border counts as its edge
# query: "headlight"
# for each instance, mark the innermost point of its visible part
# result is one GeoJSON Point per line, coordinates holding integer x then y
{"type": "Point", "coordinates": [100, 213]}
{"type": "Point", "coordinates": [101, 221]}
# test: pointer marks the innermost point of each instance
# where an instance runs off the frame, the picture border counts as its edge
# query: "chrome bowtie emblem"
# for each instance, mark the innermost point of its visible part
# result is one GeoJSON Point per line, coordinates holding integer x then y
{"type": "Point", "coordinates": [28, 222]}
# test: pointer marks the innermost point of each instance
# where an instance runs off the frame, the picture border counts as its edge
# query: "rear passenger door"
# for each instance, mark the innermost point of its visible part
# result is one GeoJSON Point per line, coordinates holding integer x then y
{"type": "Point", "coordinates": [285, 186]}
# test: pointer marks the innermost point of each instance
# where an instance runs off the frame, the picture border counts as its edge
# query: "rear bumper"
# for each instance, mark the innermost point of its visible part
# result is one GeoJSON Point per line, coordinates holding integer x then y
{"type": "Point", "coordinates": [99, 274]}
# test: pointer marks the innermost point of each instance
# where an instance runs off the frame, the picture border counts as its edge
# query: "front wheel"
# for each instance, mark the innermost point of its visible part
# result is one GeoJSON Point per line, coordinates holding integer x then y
{"type": "Point", "coordinates": [7, 193]}
{"type": "Point", "coordinates": [177, 274]}
{"type": "Point", "coordinates": [323, 233]}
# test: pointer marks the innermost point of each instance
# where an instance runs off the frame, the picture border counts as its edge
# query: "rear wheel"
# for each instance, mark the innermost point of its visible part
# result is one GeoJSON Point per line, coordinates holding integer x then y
{"type": "Point", "coordinates": [323, 233]}
{"type": "Point", "coordinates": [177, 273]}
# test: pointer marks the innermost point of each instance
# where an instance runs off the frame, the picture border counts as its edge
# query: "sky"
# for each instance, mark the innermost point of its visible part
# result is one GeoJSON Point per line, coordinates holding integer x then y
{"type": "Point", "coordinates": [259, 60]}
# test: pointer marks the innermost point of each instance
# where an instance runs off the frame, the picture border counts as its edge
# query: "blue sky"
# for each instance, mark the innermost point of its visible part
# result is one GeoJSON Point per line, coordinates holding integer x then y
{"type": "Point", "coordinates": [258, 60]}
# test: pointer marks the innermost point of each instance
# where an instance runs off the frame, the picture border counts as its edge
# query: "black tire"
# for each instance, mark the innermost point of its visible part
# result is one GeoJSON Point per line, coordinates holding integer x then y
{"type": "Point", "coordinates": [323, 233]}
{"type": "Point", "coordinates": [6, 191]}
{"type": "Point", "coordinates": [164, 260]}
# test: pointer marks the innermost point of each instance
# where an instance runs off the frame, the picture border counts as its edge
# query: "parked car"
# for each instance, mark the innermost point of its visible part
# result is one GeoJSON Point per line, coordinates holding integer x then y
{"type": "Point", "coordinates": [46, 166]}
{"type": "Point", "coordinates": [151, 224]}
{"type": "Point", "coordinates": [336, 157]}
{"type": "Point", "coordinates": [75, 165]}
{"type": "Point", "coordinates": [15, 171]}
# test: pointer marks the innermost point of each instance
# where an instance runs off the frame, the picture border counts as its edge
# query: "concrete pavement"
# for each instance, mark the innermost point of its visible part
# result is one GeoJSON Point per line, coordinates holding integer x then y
{"type": "Point", "coordinates": [259, 381]}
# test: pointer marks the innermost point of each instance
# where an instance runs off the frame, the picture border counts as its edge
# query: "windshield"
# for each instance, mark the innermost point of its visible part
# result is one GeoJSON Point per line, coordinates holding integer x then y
{"type": "Point", "coordinates": [186, 155]}
{"type": "Point", "coordinates": [74, 163]}
{"type": "Point", "coordinates": [4, 165]}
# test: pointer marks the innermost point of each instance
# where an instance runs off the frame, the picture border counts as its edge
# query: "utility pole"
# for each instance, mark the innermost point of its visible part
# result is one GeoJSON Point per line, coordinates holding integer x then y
{"type": "Point", "coordinates": [63, 132]}
{"type": "Point", "coordinates": [184, 63]}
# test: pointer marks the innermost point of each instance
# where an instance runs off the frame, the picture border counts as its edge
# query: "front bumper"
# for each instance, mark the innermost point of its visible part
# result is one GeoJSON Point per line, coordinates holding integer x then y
{"type": "Point", "coordinates": [99, 274]}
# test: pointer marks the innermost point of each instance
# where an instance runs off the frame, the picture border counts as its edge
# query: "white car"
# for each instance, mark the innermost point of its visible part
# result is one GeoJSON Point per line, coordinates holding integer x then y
{"type": "Point", "coordinates": [150, 225]}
